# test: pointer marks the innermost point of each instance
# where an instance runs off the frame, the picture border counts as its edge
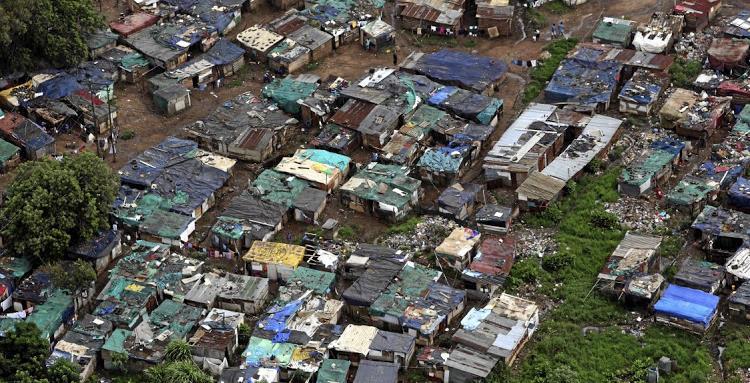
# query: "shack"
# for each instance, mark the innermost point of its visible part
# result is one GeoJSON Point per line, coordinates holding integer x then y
{"type": "Point", "coordinates": [379, 34]}
{"type": "Point", "coordinates": [697, 13]}
{"type": "Point", "coordinates": [659, 34]}
{"type": "Point", "coordinates": [459, 248]}
{"type": "Point", "coordinates": [721, 231]}
{"type": "Point", "coordinates": [739, 26]}
{"type": "Point", "coordinates": [686, 308]}
{"type": "Point", "coordinates": [309, 205]}
{"type": "Point", "coordinates": [34, 142]}
{"type": "Point", "coordinates": [445, 66]}
{"type": "Point", "coordinates": [163, 56]}
{"type": "Point", "coordinates": [233, 292]}
{"type": "Point", "coordinates": [82, 344]}
{"type": "Point", "coordinates": [354, 345]}
{"type": "Point", "coordinates": [287, 92]}
{"type": "Point", "coordinates": [376, 372]}
{"type": "Point", "coordinates": [492, 218]}
{"type": "Point", "coordinates": [378, 126]}
{"type": "Point", "coordinates": [100, 251]}
{"type": "Point", "coordinates": [288, 56]}
{"type": "Point", "coordinates": [635, 256]}
{"type": "Point", "coordinates": [320, 175]}
{"type": "Point", "coordinates": [401, 149]}
{"type": "Point", "coordinates": [337, 139]}
{"type": "Point", "coordinates": [614, 31]}
{"type": "Point", "coordinates": [701, 275]}
{"type": "Point", "coordinates": [216, 338]}
{"type": "Point", "coordinates": [99, 42]}
{"type": "Point", "coordinates": [538, 191]}
{"type": "Point", "coordinates": [172, 99]}
{"type": "Point", "coordinates": [650, 169]}
{"type": "Point", "coordinates": [9, 156]}
{"type": "Point", "coordinates": [495, 17]}
{"type": "Point", "coordinates": [392, 347]}
{"type": "Point", "coordinates": [125, 302]}
{"type": "Point", "coordinates": [738, 195]}
{"type": "Point", "coordinates": [739, 303]}
{"type": "Point", "coordinates": [738, 267]}
{"type": "Point", "coordinates": [381, 190]}
{"type": "Point", "coordinates": [486, 274]}
{"type": "Point", "coordinates": [273, 260]}
{"type": "Point", "coordinates": [460, 201]}
{"type": "Point", "coordinates": [258, 42]}
{"type": "Point", "coordinates": [431, 17]}
{"type": "Point", "coordinates": [584, 83]}
{"type": "Point", "coordinates": [133, 23]}
{"type": "Point", "coordinates": [278, 188]}
{"type": "Point", "coordinates": [132, 66]}
{"type": "Point", "coordinates": [443, 165]}
{"type": "Point", "coordinates": [333, 371]}
{"type": "Point", "coordinates": [642, 91]}
{"type": "Point", "coordinates": [729, 55]}
{"type": "Point", "coordinates": [351, 114]}
{"type": "Point", "coordinates": [319, 43]}
{"type": "Point", "coordinates": [226, 57]}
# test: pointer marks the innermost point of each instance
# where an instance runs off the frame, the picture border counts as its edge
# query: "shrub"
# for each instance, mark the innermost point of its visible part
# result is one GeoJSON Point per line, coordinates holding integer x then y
{"type": "Point", "coordinates": [683, 72]}
{"type": "Point", "coordinates": [557, 261]}
{"type": "Point", "coordinates": [604, 220]}
{"type": "Point", "coordinates": [127, 135]}
{"type": "Point", "coordinates": [404, 227]}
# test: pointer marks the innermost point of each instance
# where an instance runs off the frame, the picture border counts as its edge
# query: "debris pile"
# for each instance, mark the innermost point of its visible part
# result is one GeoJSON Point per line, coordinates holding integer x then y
{"type": "Point", "coordinates": [694, 46]}
{"type": "Point", "coordinates": [638, 215]}
{"type": "Point", "coordinates": [535, 242]}
{"type": "Point", "coordinates": [427, 235]}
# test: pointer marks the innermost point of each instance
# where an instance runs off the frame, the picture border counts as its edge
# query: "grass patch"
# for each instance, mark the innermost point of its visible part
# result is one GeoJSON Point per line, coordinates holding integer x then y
{"type": "Point", "coordinates": [543, 73]}
{"type": "Point", "coordinates": [404, 227]}
{"type": "Point", "coordinates": [684, 72]}
{"type": "Point", "coordinates": [127, 135]}
{"type": "Point", "coordinates": [470, 43]}
{"type": "Point", "coordinates": [587, 236]}
{"type": "Point", "coordinates": [442, 41]}
{"type": "Point", "coordinates": [557, 7]}
{"type": "Point", "coordinates": [313, 65]}
{"type": "Point", "coordinates": [348, 232]}
{"type": "Point", "coordinates": [737, 352]}
{"type": "Point", "coordinates": [535, 18]}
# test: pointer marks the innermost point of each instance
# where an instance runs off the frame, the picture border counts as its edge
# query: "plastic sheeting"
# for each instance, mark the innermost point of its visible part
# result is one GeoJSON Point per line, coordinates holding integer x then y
{"type": "Point", "coordinates": [688, 304]}
{"type": "Point", "coordinates": [583, 82]}
{"type": "Point", "coordinates": [59, 86]}
{"type": "Point", "coordinates": [224, 52]}
{"type": "Point", "coordinates": [449, 66]}
{"type": "Point", "coordinates": [739, 193]}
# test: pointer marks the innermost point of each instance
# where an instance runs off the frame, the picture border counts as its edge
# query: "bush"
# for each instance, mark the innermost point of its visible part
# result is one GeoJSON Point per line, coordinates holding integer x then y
{"type": "Point", "coordinates": [525, 271]}
{"type": "Point", "coordinates": [604, 220]}
{"type": "Point", "coordinates": [404, 227]}
{"type": "Point", "coordinates": [348, 232]}
{"type": "Point", "coordinates": [470, 43]}
{"type": "Point", "coordinates": [557, 7]}
{"type": "Point", "coordinates": [671, 246]}
{"type": "Point", "coordinates": [557, 261]}
{"type": "Point", "coordinates": [127, 135]}
{"type": "Point", "coordinates": [542, 73]}
{"type": "Point", "coordinates": [683, 72]}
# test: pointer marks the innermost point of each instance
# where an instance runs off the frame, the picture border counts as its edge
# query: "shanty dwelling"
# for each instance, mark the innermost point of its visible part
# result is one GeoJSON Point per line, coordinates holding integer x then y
{"type": "Point", "coordinates": [486, 274]}
{"type": "Point", "coordinates": [369, 286]}
{"type": "Point", "coordinates": [642, 91]}
{"type": "Point", "coordinates": [431, 17]}
{"type": "Point", "coordinates": [584, 83]}
{"type": "Point", "coordinates": [351, 114]}
{"type": "Point", "coordinates": [100, 251]}
{"type": "Point", "coordinates": [53, 115]}
{"type": "Point", "coordinates": [159, 55]}
{"type": "Point", "coordinates": [82, 344]}
{"type": "Point", "coordinates": [392, 347]}
{"type": "Point", "coordinates": [460, 201]}
{"type": "Point", "coordinates": [10, 156]}
{"type": "Point", "coordinates": [258, 42]}
{"type": "Point", "coordinates": [34, 142]}
{"type": "Point", "coordinates": [651, 168]}
{"type": "Point", "coordinates": [444, 165]}
{"type": "Point", "coordinates": [614, 31]}
{"type": "Point", "coordinates": [320, 175]}
{"type": "Point", "coordinates": [233, 292]}
{"type": "Point", "coordinates": [492, 218]}
{"type": "Point", "coordinates": [489, 335]}
{"type": "Point", "coordinates": [738, 196]}
{"type": "Point", "coordinates": [246, 219]}
{"type": "Point", "coordinates": [288, 56]}
{"type": "Point", "coordinates": [333, 371]}
{"type": "Point", "coordinates": [226, 57]}
{"type": "Point", "coordinates": [216, 339]}
{"type": "Point", "coordinates": [738, 268]}
{"type": "Point", "coordinates": [701, 275]}
{"type": "Point", "coordinates": [378, 126]}
{"type": "Point", "coordinates": [729, 55]}
{"type": "Point", "coordinates": [537, 191]}
{"type": "Point", "coordinates": [401, 149]}
{"type": "Point", "coordinates": [273, 260]}
{"type": "Point", "coordinates": [698, 13]}
{"type": "Point", "coordinates": [659, 34]}
{"type": "Point", "coordinates": [459, 248]}
{"type": "Point", "coordinates": [431, 360]}
{"type": "Point", "coordinates": [632, 264]}
{"type": "Point", "coordinates": [360, 260]}
{"type": "Point", "coordinates": [377, 34]}
{"type": "Point", "coordinates": [131, 65]}
{"type": "Point", "coordinates": [133, 23]}
{"type": "Point", "coordinates": [336, 138]}
{"type": "Point", "coordinates": [689, 309]}
{"type": "Point", "coordinates": [739, 26]}
{"type": "Point", "coordinates": [318, 42]}
{"type": "Point", "coordinates": [100, 41]}
{"type": "Point", "coordinates": [722, 232]}
{"type": "Point", "coordinates": [354, 344]}
{"type": "Point", "coordinates": [376, 372]}
{"type": "Point", "coordinates": [125, 302]}
{"type": "Point", "coordinates": [309, 205]}
{"type": "Point", "coordinates": [495, 17]}
{"type": "Point", "coordinates": [101, 118]}
{"type": "Point", "coordinates": [289, 22]}
{"type": "Point", "coordinates": [446, 67]}
{"type": "Point", "coordinates": [739, 303]}
{"type": "Point", "coordinates": [286, 92]}
{"type": "Point", "coordinates": [197, 73]}
{"type": "Point", "coordinates": [382, 190]}
{"type": "Point", "coordinates": [171, 100]}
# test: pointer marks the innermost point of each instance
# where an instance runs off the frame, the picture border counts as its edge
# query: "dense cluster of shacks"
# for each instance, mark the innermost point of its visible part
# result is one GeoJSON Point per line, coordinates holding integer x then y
{"type": "Point", "coordinates": [367, 314]}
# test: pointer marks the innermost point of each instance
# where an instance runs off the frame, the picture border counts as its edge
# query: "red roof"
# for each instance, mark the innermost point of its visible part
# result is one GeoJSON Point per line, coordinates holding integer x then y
{"type": "Point", "coordinates": [133, 23]}
{"type": "Point", "coordinates": [497, 256]}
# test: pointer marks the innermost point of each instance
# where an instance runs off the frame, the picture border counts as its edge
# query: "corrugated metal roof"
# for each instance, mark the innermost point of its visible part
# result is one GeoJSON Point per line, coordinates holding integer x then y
{"type": "Point", "coordinates": [352, 113]}
{"type": "Point", "coordinates": [540, 187]}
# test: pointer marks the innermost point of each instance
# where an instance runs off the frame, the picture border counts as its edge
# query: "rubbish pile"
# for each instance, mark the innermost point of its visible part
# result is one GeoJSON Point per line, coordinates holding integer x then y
{"type": "Point", "coordinates": [535, 242]}
{"type": "Point", "coordinates": [694, 45]}
{"type": "Point", "coordinates": [638, 215]}
{"type": "Point", "coordinates": [427, 235]}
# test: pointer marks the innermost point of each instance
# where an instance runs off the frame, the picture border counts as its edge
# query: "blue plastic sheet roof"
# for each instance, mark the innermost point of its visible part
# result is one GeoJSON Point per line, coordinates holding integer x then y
{"type": "Point", "coordinates": [689, 304]}
{"type": "Point", "coordinates": [451, 66]}
{"type": "Point", "coordinates": [441, 95]}
{"type": "Point", "coordinates": [669, 144]}
{"type": "Point", "coordinates": [632, 90]}
{"type": "Point", "coordinates": [583, 82]}
{"type": "Point", "coordinates": [720, 174]}
{"type": "Point", "coordinates": [59, 86]}
{"type": "Point", "coordinates": [276, 321]}
{"type": "Point", "coordinates": [224, 52]}
{"type": "Point", "coordinates": [739, 193]}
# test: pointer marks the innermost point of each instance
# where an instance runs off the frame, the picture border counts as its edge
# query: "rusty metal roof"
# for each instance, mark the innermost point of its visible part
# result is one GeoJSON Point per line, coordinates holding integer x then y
{"type": "Point", "coordinates": [352, 113]}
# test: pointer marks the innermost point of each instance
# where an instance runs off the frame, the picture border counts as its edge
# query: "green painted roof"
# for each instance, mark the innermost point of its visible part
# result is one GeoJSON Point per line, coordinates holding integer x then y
{"type": "Point", "coordinates": [18, 267]}
{"type": "Point", "coordinates": [116, 341]}
{"type": "Point", "coordinates": [49, 315]}
{"type": "Point", "coordinates": [259, 349]}
{"type": "Point", "coordinates": [743, 121]}
{"type": "Point", "coordinates": [318, 281]}
{"type": "Point", "coordinates": [7, 150]}
{"type": "Point", "coordinates": [279, 188]}
{"type": "Point", "coordinates": [177, 317]}
{"type": "Point", "coordinates": [367, 183]}
{"type": "Point", "coordinates": [411, 283]}
{"type": "Point", "coordinates": [646, 167]}
{"type": "Point", "coordinates": [422, 121]}
{"type": "Point", "coordinates": [613, 32]}
{"type": "Point", "coordinates": [688, 191]}
{"type": "Point", "coordinates": [325, 157]}
{"type": "Point", "coordinates": [286, 92]}
{"type": "Point", "coordinates": [333, 371]}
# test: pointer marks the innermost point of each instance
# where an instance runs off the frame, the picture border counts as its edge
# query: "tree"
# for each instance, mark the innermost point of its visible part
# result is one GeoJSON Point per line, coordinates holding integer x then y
{"type": "Point", "coordinates": [63, 371]}
{"type": "Point", "coordinates": [177, 350]}
{"type": "Point", "coordinates": [51, 202]}
{"type": "Point", "coordinates": [74, 277]}
{"type": "Point", "coordinates": [44, 32]}
{"type": "Point", "coordinates": [185, 371]}
{"type": "Point", "coordinates": [23, 352]}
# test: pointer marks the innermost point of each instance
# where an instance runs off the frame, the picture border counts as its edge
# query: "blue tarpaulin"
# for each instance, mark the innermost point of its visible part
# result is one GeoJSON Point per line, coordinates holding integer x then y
{"type": "Point", "coordinates": [739, 193]}
{"type": "Point", "coordinates": [450, 66]}
{"type": "Point", "coordinates": [583, 82]}
{"type": "Point", "coordinates": [669, 144]}
{"type": "Point", "coordinates": [441, 95]}
{"type": "Point", "coordinates": [642, 93]}
{"type": "Point", "coordinates": [224, 52]}
{"type": "Point", "coordinates": [59, 86]}
{"type": "Point", "coordinates": [688, 304]}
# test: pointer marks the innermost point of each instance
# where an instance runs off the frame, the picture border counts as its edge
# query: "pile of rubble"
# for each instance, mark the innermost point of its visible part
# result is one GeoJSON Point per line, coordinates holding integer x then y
{"type": "Point", "coordinates": [694, 45]}
{"type": "Point", "coordinates": [535, 242]}
{"type": "Point", "coordinates": [637, 214]}
{"type": "Point", "coordinates": [427, 235]}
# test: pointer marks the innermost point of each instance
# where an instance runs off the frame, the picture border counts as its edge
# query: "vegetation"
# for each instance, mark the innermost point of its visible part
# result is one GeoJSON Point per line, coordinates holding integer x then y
{"type": "Point", "coordinates": [683, 72]}
{"type": "Point", "coordinates": [586, 237]}
{"type": "Point", "coordinates": [557, 7]}
{"type": "Point", "coordinates": [542, 73]}
{"type": "Point", "coordinates": [41, 33]}
{"type": "Point", "coordinates": [51, 202]}
{"type": "Point", "coordinates": [184, 371]}
{"type": "Point", "coordinates": [74, 277]}
{"type": "Point", "coordinates": [177, 351]}
{"type": "Point", "coordinates": [348, 232]}
{"type": "Point", "coordinates": [127, 135]}
{"type": "Point", "coordinates": [470, 43]}
{"type": "Point", "coordinates": [404, 227]}
{"type": "Point", "coordinates": [23, 353]}
{"type": "Point", "coordinates": [535, 18]}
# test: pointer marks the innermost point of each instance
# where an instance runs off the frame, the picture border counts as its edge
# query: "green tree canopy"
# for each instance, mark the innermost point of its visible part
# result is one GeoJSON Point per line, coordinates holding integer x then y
{"type": "Point", "coordinates": [72, 276]}
{"type": "Point", "coordinates": [23, 352]}
{"type": "Point", "coordinates": [44, 32]}
{"type": "Point", "coordinates": [177, 350]}
{"type": "Point", "coordinates": [185, 371]}
{"type": "Point", "coordinates": [54, 204]}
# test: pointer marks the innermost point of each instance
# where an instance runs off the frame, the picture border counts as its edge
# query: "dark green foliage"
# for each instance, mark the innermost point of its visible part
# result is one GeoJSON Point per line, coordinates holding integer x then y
{"type": "Point", "coordinates": [404, 227]}
{"type": "Point", "coordinates": [39, 33]}
{"type": "Point", "coordinates": [63, 371]}
{"type": "Point", "coordinates": [73, 277]}
{"type": "Point", "coordinates": [671, 246]}
{"type": "Point", "coordinates": [595, 166]}
{"type": "Point", "coordinates": [737, 352]}
{"type": "Point", "coordinates": [557, 261]}
{"type": "Point", "coordinates": [127, 135]}
{"type": "Point", "coordinates": [244, 334]}
{"type": "Point", "coordinates": [541, 74]}
{"type": "Point", "coordinates": [604, 220]}
{"type": "Point", "coordinates": [557, 7]}
{"type": "Point", "coordinates": [525, 271]}
{"type": "Point", "coordinates": [684, 72]}
{"type": "Point", "coordinates": [23, 353]}
{"type": "Point", "coordinates": [185, 371]}
{"type": "Point", "coordinates": [51, 202]}
{"type": "Point", "coordinates": [348, 232]}
{"type": "Point", "coordinates": [177, 351]}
